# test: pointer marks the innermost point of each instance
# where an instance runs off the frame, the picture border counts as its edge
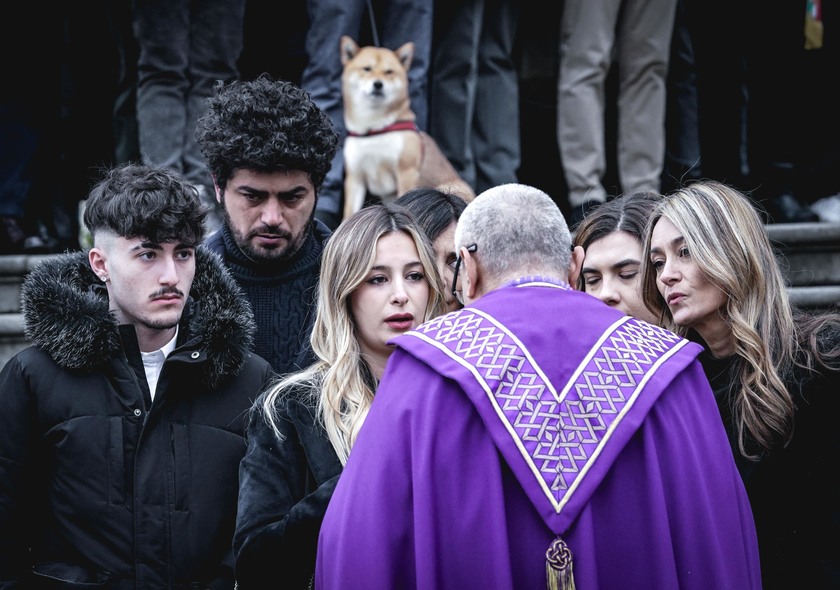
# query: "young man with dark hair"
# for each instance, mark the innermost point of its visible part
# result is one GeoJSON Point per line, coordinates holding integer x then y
{"type": "Point", "coordinates": [269, 147]}
{"type": "Point", "coordinates": [123, 424]}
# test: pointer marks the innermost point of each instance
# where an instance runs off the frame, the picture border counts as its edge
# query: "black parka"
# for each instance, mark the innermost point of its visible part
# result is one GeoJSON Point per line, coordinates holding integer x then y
{"type": "Point", "coordinates": [100, 487]}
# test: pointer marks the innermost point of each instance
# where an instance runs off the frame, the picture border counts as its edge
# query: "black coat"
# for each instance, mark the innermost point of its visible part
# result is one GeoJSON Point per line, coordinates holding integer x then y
{"type": "Point", "coordinates": [100, 487]}
{"type": "Point", "coordinates": [794, 490]}
{"type": "Point", "coordinates": [285, 486]}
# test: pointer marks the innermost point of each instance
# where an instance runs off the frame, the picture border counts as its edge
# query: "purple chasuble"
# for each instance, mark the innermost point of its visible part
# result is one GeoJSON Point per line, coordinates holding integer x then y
{"type": "Point", "coordinates": [535, 412]}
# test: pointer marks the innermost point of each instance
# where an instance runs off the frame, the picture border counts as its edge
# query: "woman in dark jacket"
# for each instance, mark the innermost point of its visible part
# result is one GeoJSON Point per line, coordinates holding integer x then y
{"type": "Point", "coordinates": [378, 279]}
{"type": "Point", "coordinates": [110, 478]}
{"type": "Point", "coordinates": [775, 371]}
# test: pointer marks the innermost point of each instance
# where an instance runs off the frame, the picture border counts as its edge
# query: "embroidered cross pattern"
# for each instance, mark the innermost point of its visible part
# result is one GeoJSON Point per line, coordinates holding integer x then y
{"type": "Point", "coordinates": [557, 433]}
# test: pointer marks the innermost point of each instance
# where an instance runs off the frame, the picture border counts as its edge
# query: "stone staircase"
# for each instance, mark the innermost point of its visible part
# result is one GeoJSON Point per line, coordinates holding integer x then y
{"type": "Point", "coordinates": [12, 270]}
{"type": "Point", "coordinates": [810, 255]}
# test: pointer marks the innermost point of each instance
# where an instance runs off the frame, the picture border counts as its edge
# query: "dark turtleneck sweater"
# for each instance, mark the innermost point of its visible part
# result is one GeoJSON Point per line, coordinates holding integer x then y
{"type": "Point", "coordinates": [282, 295]}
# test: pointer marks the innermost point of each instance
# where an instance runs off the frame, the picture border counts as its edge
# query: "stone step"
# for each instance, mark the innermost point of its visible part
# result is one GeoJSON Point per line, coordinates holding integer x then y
{"type": "Point", "coordinates": [810, 252]}
{"type": "Point", "coordinates": [816, 297]}
{"type": "Point", "coordinates": [11, 336]}
{"type": "Point", "coordinates": [12, 270]}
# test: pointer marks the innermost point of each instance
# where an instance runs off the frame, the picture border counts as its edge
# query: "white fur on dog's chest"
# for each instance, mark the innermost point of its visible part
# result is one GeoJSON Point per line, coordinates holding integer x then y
{"type": "Point", "coordinates": [375, 159]}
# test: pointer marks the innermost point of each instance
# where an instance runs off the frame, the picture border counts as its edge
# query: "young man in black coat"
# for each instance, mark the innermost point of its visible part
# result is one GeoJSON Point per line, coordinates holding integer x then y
{"type": "Point", "coordinates": [123, 424]}
{"type": "Point", "coordinates": [269, 147]}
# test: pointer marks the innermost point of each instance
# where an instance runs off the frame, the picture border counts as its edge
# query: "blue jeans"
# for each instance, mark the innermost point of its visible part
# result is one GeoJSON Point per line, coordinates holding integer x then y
{"type": "Point", "coordinates": [474, 96]}
{"type": "Point", "coordinates": [185, 47]}
{"type": "Point", "coordinates": [18, 142]}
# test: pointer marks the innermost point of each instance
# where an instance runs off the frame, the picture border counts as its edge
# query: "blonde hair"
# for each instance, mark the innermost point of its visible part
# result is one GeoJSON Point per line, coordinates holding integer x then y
{"type": "Point", "coordinates": [728, 241]}
{"type": "Point", "coordinates": [340, 380]}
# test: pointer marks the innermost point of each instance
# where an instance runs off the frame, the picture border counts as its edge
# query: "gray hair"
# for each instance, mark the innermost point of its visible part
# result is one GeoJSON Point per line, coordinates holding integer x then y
{"type": "Point", "coordinates": [519, 231]}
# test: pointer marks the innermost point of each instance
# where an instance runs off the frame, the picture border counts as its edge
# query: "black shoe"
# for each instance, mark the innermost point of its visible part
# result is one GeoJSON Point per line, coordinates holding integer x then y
{"type": "Point", "coordinates": [35, 245]}
{"type": "Point", "coordinates": [787, 209]}
{"type": "Point", "coordinates": [580, 211]}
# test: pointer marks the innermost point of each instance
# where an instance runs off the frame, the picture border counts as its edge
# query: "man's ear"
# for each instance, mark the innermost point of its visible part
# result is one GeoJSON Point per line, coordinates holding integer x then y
{"type": "Point", "coordinates": [216, 189]}
{"type": "Point", "coordinates": [471, 275]}
{"type": "Point", "coordinates": [96, 258]}
{"type": "Point", "coordinates": [576, 265]}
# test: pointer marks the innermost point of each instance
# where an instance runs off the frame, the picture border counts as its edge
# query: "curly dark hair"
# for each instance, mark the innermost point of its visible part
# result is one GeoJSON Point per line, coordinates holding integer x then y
{"type": "Point", "coordinates": [265, 125]}
{"type": "Point", "coordinates": [136, 200]}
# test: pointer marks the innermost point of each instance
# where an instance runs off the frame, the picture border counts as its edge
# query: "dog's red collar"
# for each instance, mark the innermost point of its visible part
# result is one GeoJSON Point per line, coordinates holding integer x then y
{"type": "Point", "coordinates": [395, 126]}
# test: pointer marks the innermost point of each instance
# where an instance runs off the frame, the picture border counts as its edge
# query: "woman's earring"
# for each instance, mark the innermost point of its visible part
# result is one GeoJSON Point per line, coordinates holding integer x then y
{"type": "Point", "coordinates": [104, 278]}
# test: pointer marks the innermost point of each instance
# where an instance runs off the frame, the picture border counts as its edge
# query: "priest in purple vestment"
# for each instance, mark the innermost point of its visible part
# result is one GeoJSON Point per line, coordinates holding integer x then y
{"type": "Point", "coordinates": [537, 438]}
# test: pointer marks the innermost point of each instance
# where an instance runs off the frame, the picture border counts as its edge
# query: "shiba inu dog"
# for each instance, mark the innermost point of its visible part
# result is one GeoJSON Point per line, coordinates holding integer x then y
{"type": "Point", "coordinates": [385, 154]}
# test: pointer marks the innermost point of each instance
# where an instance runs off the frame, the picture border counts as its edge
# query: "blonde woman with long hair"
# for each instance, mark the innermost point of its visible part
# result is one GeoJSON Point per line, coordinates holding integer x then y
{"type": "Point", "coordinates": [379, 279]}
{"type": "Point", "coordinates": [773, 368]}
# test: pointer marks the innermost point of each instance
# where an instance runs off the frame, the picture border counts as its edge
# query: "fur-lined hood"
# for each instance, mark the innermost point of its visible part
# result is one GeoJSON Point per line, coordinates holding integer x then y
{"type": "Point", "coordinates": [65, 310]}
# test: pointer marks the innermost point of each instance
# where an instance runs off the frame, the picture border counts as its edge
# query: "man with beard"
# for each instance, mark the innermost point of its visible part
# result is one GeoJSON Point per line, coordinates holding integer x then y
{"type": "Point", "coordinates": [123, 424]}
{"type": "Point", "coordinates": [268, 148]}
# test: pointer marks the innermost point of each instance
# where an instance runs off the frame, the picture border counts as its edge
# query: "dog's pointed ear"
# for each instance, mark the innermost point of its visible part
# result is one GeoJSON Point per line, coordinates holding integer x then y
{"type": "Point", "coordinates": [348, 49]}
{"type": "Point", "coordinates": [405, 53]}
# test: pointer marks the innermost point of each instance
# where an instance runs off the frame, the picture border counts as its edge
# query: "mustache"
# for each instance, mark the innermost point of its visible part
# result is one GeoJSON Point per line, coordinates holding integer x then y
{"type": "Point", "coordinates": [166, 291]}
{"type": "Point", "coordinates": [271, 230]}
